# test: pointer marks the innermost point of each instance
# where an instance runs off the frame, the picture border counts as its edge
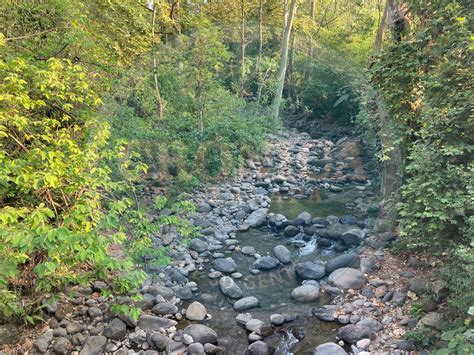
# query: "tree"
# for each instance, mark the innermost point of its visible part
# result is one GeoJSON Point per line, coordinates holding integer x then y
{"type": "Point", "coordinates": [287, 26]}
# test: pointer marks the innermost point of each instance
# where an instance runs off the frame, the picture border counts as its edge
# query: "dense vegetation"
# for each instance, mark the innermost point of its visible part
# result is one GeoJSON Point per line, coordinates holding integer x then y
{"type": "Point", "coordinates": [93, 95]}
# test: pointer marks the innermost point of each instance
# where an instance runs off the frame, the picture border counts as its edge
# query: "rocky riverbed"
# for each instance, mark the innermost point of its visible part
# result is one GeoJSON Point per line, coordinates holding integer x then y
{"type": "Point", "coordinates": [288, 263]}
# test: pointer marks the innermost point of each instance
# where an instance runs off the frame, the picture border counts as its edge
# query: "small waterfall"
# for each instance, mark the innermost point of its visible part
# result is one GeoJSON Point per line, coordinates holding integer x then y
{"type": "Point", "coordinates": [287, 339]}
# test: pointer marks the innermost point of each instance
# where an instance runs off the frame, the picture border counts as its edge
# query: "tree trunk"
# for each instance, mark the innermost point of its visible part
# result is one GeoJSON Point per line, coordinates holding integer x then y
{"type": "Point", "coordinates": [311, 14]}
{"type": "Point", "coordinates": [284, 58]}
{"type": "Point", "coordinates": [381, 30]}
{"type": "Point", "coordinates": [242, 49]}
{"type": "Point", "coordinates": [291, 68]}
{"type": "Point", "coordinates": [260, 51]}
{"type": "Point", "coordinates": [159, 100]}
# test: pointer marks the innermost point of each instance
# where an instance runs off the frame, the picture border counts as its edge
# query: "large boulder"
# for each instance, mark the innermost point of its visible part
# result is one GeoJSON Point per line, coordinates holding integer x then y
{"type": "Point", "coordinates": [309, 270]}
{"type": "Point", "coordinates": [94, 345]}
{"type": "Point", "coordinates": [305, 293]}
{"type": "Point", "coordinates": [329, 349]}
{"type": "Point", "coordinates": [226, 265]}
{"type": "Point", "coordinates": [246, 303]}
{"type": "Point", "coordinates": [229, 287]}
{"type": "Point", "coordinates": [115, 330]}
{"type": "Point", "coordinates": [352, 333]}
{"type": "Point", "coordinates": [346, 260]}
{"type": "Point", "coordinates": [148, 322]}
{"type": "Point", "coordinates": [266, 263]}
{"type": "Point", "coordinates": [353, 237]}
{"type": "Point", "coordinates": [346, 278]}
{"type": "Point", "coordinates": [257, 218]}
{"type": "Point", "coordinates": [201, 334]}
{"type": "Point", "coordinates": [283, 254]}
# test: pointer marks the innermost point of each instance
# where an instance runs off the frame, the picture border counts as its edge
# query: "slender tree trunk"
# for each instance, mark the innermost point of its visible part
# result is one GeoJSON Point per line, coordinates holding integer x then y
{"type": "Point", "coordinates": [291, 67]}
{"type": "Point", "coordinates": [284, 20]}
{"type": "Point", "coordinates": [311, 14]}
{"type": "Point", "coordinates": [284, 58]}
{"type": "Point", "coordinates": [242, 48]}
{"type": "Point", "coordinates": [260, 51]}
{"type": "Point", "coordinates": [381, 30]}
{"type": "Point", "coordinates": [159, 100]}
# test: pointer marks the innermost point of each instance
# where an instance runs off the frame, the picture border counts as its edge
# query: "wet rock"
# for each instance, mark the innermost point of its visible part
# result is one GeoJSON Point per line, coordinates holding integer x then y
{"type": "Point", "coordinates": [196, 311]}
{"type": "Point", "coordinates": [74, 328]}
{"type": "Point", "coordinates": [229, 287]}
{"type": "Point", "coordinates": [159, 341]}
{"type": "Point", "coordinates": [116, 329]}
{"type": "Point", "coordinates": [305, 293]}
{"type": "Point", "coordinates": [147, 302]}
{"type": "Point", "coordinates": [185, 293]}
{"type": "Point", "coordinates": [352, 333]}
{"type": "Point", "coordinates": [196, 349]}
{"type": "Point", "coordinates": [247, 250]}
{"type": "Point", "coordinates": [282, 254]}
{"type": "Point", "coordinates": [346, 278]}
{"type": "Point", "coordinates": [257, 348]}
{"type": "Point", "coordinates": [62, 346]}
{"type": "Point", "coordinates": [257, 218]}
{"type": "Point", "coordinates": [198, 245]}
{"type": "Point", "coordinates": [276, 221]}
{"type": "Point", "coordinates": [165, 308]}
{"type": "Point", "coordinates": [305, 216]}
{"type": "Point", "coordinates": [94, 345]}
{"type": "Point", "coordinates": [277, 319]}
{"type": "Point", "coordinates": [351, 260]}
{"type": "Point", "coordinates": [325, 313]}
{"type": "Point", "coordinates": [371, 323]}
{"type": "Point", "coordinates": [177, 276]}
{"type": "Point", "coordinates": [201, 333]}
{"type": "Point", "coordinates": [212, 349]}
{"type": "Point", "coordinates": [254, 325]}
{"type": "Point", "coordinates": [266, 263]}
{"type": "Point", "coordinates": [41, 344]}
{"type": "Point", "coordinates": [226, 265]}
{"type": "Point", "coordinates": [353, 237]}
{"type": "Point", "coordinates": [329, 349]}
{"type": "Point", "coordinates": [309, 270]}
{"type": "Point", "coordinates": [291, 231]}
{"type": "Point", "coordinates": [243, 318]}
{"type": "Point", "coordinates": [434, 320]}
{"type": "Point", "coordinates": [148, 322]}
{"type": "Point", "coordinates": [166, 292]}
{"type": "Point", "coordinates": [246, 303]}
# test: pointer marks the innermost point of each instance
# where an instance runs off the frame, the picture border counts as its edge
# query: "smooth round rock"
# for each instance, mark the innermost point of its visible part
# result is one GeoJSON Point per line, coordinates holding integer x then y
{"type": "Point", "coordinates": [305, 293]}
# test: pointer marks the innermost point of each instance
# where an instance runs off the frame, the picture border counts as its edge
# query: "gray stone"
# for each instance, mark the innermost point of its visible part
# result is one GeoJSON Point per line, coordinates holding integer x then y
{"type": "Point", "coordinates": [346, 278]}
{"type": "Point", "coordinates": [185, 293]}
{"type": "Point", "coordinates": [309, 270]}
{"type": "Point", "coordinates": [42, 343]}
{"type": "Point", "coordinates": [148, 322]}
{"type": "Point", "coordinates": [115, 330]}
{"type": "Point", "coordinates": [203, 207]}
{"type": "Point", "coordinates": [329, 349]}
{"type": "Point", "coordinates": [165, 308]}
{"type": "Point", "coordinates": [258, 348]}
{"type": "Point", "coordinates": [353, 237]}
{"type": "Point", "coordinates": [371, 323]}
{"type": "Point", "coordinates": [201, 334]}
{"type": "Point", "coordinates": [305, 216]}
{"type": "Point", "coordinates": [226, 265]}
{"type": "Point", "coordinates": [196, 311]}
{"type": "Point", "coordinates": [352, 333]}
{"type": "Point", "coordinates": [254, 325]}
{"type": "Point", "coordinates": [243, 318]}
{"type": "Point", "coordinates": [212, 349]}
{"type": "Point", "coordinates": [277, 319]}
{"type": "Point", "coordinates": [257, 218]}
{"type": "Point", "coordinates": [351, 260]}
{"type": "Point", "coordinates": [198, 245]}
{"type": "Point", "coordinates": [266, 263]}
{"type": "Point", "coordinates": [363, 343]}
{"type": "Point", "coordinates": [305, 293]}
{"type": "Point", "coordinates": [94, 312]}
{"type": "Point", "coordinates": [248, 250]}
{"type": "Point", "coordinates": [282, 254]}
{"type": "Point", "coordinates": [159, 341]}
{"type": "Point", "coordinates": [74, 328]}
{"type": "Point", "coordinates": [325, 313]}
{"type": "Point", "coordinates": [196, 349]}
{"type": "Point", "coordinates": [94, 345]}
{"type": "Point", "coordinates": [418, 285]}
{"type": "Point", "coordinates": [62, 346]}
{"type": "Point", "coordinates": [229, 287]}
{"type": "Point", "coordinates": [291, 231]}
{"type": "Point", "coordinates": [434, 320]}
{"type": "Point", "coordinates": [246, 303]}
{"type": "Point", "coordinates": [166, 292]}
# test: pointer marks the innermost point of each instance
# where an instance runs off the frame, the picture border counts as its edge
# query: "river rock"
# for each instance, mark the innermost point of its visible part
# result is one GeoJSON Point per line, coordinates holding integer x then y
{"type": "Point", "coordinates": [74, 328]}
{"type": "Point", "coordinates": [305, 216]}
{"type": "Point", "coordinates": [434, 320]}
{"type": "Point", "coordinates": [418, 285]}
{"type": "Point", "coordinates": [158, 341]}
{"type": "Point", "coordinates": [248, 250]}
{"type": "Point", "coordinates": [325, 313]}
{"type": "Point", "coordinates": [371, 323]}
{"type": "Point", "coordinates": [351, 260]}
{"type": "Point", "coordinates": [9, 334]}
{"type": "Point", "coordinates": [305, 293]}
{"type": "Point", "coordinates": [246, 303]}
{"type": "Point", "coordinates": [282, 254]}
{"type": "Point", "coordinates": [277, 319]}
{"type": "Point", "coordinates": [346, 278]}
{"type": "Point", "coordinates": [196, 349]}
{"type": "Point", "coordinates": [203, 207]}
{"type": "Point", "coordinates": [115, 330]}
{"type": "Point", "coordinates": [276, 221]}
{"type": "Point", "coordinates": [229, 287]}
{"type": "Point", "coordinates": [94, 345]}
{"type": "Point", "coordinates": [279, 179]}
{"type": "Point", "coordinates": [257, 218]}
{"type": "Point", "coordinates": [254, 325]}
{"type": "Point", "coordinates": [226, 265]}
{"type": "Point", "coordinates": [148, 322]}
{"type": "Point", "coordinates": [164, 308]}
{"type": "Point", "coordinates": [201, 333]}
{"type": "Point", "coordinates": [352, 333]}
{"type": "Point", "coordinates": [266, 263]}
{"type": "Point", "coordinates": [353, 237]}
{"type": "Point", "coordinates": [198, 245]}
{"type": "Point", "coordinates": [258, 348]}
{"type": "Point", "coordinates": [41, 344]}
{"type": "Point", "coordinates": [329, 349]}
{"type": "Point", "coordinates": [309, 270]}
{"type": "Point", "coordinates": [196, 311]}
{"type": "Point", "coordinates": [291, 231]}
{"type": "Point", "coordinates": [62, 346]}
{"type": "Point", "coordinates": [166, 292]}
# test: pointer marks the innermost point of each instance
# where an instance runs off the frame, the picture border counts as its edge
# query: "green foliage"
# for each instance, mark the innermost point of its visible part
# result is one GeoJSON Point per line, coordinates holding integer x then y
{"type": "Point", "coordinates": [421, 337]}
{"type": "Point", "coordinates": [459, 337]}
{"type": "Point", "coordinates": [416, 310]}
